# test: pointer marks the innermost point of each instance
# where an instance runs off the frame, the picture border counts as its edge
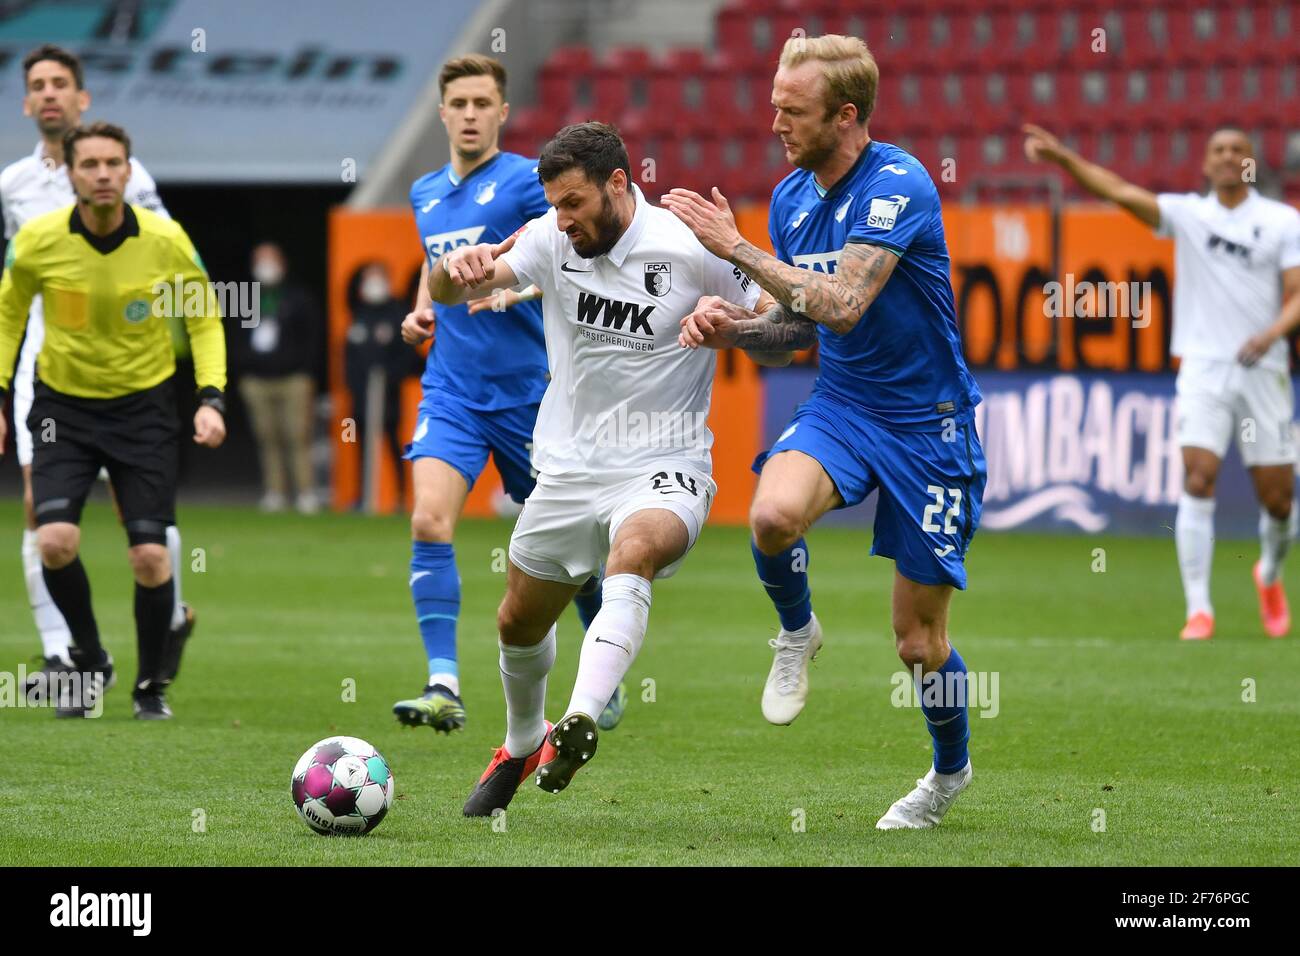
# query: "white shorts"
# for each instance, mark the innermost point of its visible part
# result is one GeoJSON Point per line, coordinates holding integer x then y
{"type": "Point", "coordinates": [1218, 401]}
{"type": "Point", "coordinates": [567, 526]}
{"type": "Point", "coordinates": [23, 385]}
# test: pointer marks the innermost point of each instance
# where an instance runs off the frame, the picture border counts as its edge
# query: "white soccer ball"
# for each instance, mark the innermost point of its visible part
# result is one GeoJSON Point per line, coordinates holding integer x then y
{"type": "Point", "coordinates": [342, 786]}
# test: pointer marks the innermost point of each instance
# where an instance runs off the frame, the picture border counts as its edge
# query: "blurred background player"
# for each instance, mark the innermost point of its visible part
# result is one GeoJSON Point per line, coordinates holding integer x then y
{"type": "Point", "coordinates": [1236, 298]}
{"type": "Point", "coordinates": [55, 98]}
{"type": "Point", "coordinates": [277, 360]}
{"type": "Point", "coordinates": [893, 408]}
{"type": "Point", "coordinates": [637, 496]}
{"type": "Point", "coordinates": [485, 374]}
{"type": "Point", "coordinates": [375, 347]}
{"type": "Point", "coordinates": [104, 396]}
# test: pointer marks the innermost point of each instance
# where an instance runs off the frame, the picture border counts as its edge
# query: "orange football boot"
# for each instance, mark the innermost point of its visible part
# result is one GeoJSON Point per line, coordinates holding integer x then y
{"type": "Point", "coordinates": [1273, 610]}
{"type": "Point", "coordinates": [1199, 627]}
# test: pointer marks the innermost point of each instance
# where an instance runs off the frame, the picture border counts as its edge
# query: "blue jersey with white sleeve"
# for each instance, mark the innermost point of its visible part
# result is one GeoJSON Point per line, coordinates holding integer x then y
{"type": "Point", "coordinates": [902, 364]}
{"type": "Point", "coordinates": [492, 360]}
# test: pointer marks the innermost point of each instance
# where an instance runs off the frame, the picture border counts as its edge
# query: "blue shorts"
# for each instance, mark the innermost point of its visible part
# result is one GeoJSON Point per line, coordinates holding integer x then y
{"type": "Point", "coordinates": [463, 437]}
{"type": "Point", "coordinates": [931, 483]}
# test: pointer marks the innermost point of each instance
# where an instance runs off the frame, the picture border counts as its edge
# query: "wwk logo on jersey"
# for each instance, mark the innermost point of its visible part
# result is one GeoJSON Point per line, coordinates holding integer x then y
{"type": "Point", "coordinates": [614, 314]}
{"type": "Point", "coordinates": [658, 277]}
{"type": "Point", "coordinates": [885, 212]}
{"type": "Point", "coordinates": [446, 241]}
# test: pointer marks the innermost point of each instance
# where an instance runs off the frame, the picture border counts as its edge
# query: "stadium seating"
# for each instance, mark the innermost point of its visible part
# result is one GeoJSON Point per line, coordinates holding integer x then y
{"type": "Point", "coordinates": [959, 76]}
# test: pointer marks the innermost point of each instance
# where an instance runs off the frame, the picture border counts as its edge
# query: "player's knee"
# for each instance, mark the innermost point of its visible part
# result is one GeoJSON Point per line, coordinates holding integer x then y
{"type": "Point", "coordinates": [58, 544]}
{"type": "Point", "coordinates": [430, 525]}
{"type": "Point", "coordinates": [29, 509]}
{"type": "Point", "coordinates": [917, 641]}
{"type": "Point", "coordinates": [1278, 504]}
{"type": "Point", "coordinates": [150, 564]}
{"type": "Point", "coordinates": [1199, 483]}
{"type": "Point", "coordinates": [512, 626]}
{"type": "Point", "coordinates": [774, 525]}
{"type": "Point", "coordinates": [632, 556]}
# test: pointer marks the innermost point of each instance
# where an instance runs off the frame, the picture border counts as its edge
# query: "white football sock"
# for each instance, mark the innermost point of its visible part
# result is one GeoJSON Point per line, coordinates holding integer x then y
{"type": "Point", "coordinates": [55, 636]}
{"type": "Point", "coordinates": [174, 549]}
{"type": "Point", "coordinates": [1274, 539]}
{"type": "Point", "coordinates": [449, 681]}
{"type": "Point", "coordinates": [523, 676]}
{"type": "Point", "coordinates": [612, 642]}
{"type": "Point", "coordinates": [1194, 536]}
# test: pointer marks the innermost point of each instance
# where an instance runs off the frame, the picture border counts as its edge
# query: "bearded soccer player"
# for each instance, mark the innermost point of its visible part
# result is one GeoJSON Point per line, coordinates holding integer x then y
{"type": "Point", "coordinates": [484, 377]}
{"type": "Point", "coordinates": [861, 268]}
{"type": "Point", "coordinates": [55, 98]}
{"type": "Point", "coordinates": [104, 397]}
{"type": "Point", "coordinates": [1236, 299]}
{"type": "Point", "coordinates": [617, 276]}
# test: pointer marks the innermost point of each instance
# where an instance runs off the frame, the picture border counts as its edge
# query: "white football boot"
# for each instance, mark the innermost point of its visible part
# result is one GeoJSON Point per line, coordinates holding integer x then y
{"type": "Point", "coordinates": [925, 806]}
{"type": "Point", "coordinates": [786, 689]}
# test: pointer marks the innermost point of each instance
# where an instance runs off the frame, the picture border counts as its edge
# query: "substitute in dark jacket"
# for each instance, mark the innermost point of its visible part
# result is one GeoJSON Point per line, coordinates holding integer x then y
{"type": "Point", "coordinates": [276, 360]}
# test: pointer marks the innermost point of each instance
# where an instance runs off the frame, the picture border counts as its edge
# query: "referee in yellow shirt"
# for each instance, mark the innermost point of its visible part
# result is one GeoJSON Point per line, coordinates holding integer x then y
{"type": "Point", "coordinates": [109, 273]}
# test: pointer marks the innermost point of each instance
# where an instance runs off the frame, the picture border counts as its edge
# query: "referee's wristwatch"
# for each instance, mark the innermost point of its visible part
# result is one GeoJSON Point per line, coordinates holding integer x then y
{"type": "Point", "coordinates": [212, 397]}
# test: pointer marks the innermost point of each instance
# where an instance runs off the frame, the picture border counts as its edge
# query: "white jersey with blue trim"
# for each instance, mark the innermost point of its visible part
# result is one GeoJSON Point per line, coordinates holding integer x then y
{"type": "Point", "coordinates": [623, 393]}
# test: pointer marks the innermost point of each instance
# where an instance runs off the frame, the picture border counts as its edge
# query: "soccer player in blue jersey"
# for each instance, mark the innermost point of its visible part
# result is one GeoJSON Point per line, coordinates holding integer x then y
{"type": "Point", "coordinates": [861, 268]}
{"type": "Point", "coordinates": [484, 379]}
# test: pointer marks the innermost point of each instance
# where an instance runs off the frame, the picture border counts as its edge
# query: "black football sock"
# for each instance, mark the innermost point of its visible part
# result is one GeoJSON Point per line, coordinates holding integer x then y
{"type": "Point", "coordinates": [153, 618]}
{"type": "Point", "coordinates": [70, 591]}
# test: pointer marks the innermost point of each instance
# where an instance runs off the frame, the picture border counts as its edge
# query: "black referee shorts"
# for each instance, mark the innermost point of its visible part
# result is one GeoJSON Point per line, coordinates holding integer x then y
{"type": "Point", "coordinates": [133, 436]}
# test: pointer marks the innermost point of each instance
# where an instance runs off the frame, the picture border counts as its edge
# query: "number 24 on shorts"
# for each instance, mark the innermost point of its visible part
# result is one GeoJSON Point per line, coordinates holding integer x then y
{"type": "Point", "coordinates": [659, 482]}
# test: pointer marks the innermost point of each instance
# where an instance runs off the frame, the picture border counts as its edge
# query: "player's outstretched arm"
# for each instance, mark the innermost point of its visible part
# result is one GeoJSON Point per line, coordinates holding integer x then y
{"type": "Point", "coordinates": [1042, 147]}
{"type": "Point", "coordinates": [836, 301]}
{"type": "Point", "coordinates": [471, 272]}
{"type": "Point", "coordinates": [769, 333]}
{"type": "Point", "coordinates": [1287, 321]}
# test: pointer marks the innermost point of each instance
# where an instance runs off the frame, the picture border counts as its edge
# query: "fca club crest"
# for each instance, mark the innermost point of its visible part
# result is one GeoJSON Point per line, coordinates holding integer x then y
{"type": "Point", "coordinates": [658, 277]}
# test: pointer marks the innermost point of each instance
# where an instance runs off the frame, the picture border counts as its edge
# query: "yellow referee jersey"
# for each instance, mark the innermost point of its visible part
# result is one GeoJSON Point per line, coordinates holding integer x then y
{"type": "Point", "coordinates": [108, 304]}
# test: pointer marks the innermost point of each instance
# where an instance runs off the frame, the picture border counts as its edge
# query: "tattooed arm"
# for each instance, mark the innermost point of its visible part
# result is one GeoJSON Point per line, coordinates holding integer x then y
{"type": "Point", "coordinates": [836, 300]}
{"type": "Point", "coordinates": [770, 333]}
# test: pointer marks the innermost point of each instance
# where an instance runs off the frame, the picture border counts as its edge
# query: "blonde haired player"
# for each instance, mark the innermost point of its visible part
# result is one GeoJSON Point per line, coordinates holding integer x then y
{"type": "Point", "coordinates": [1236, 298]}
{"type": "Point", "coordinates": [861, 268]}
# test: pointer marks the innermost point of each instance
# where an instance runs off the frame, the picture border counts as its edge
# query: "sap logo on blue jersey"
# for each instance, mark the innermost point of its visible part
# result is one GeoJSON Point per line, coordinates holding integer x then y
{"type": "Point", "coordinates": [817, 261]}
{"type": "Point", "coordinates": [446, 241]}
{"type": "Point", "coordinates": [885, 212]}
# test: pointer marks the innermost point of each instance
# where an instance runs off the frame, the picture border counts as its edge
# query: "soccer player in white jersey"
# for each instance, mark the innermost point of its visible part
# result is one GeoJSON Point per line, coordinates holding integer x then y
{"type": "Point", "coordinates": [55, 97]}
{"type": "Point", "coordinates": [1236, 298]}
{"type": "Point", "coordinates": [621, 447]}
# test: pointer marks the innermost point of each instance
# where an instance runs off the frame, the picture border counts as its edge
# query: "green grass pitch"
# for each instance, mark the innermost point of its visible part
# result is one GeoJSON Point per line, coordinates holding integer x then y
{"type": "Point", "coordinates": [1101, 708]}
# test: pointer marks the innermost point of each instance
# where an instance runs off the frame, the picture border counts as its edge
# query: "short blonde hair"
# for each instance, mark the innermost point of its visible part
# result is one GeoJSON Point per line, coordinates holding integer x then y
{"type": "Point", "coordinates": [850, 70]}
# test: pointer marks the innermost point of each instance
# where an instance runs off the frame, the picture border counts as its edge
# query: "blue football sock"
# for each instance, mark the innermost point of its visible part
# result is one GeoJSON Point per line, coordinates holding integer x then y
{"type": "Point", "coordinates": [945, 713]}
{"type": "Point", "coordinates": [435, 588]}
{"type": "Point", "coordinates": [785, 578]}
{"type": "Point", "coordinates": [588, 599]}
